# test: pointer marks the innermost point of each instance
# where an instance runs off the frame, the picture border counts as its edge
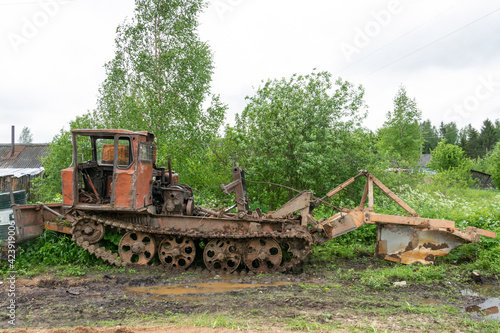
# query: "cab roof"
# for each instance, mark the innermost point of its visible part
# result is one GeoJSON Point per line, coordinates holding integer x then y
{"type": "Point", "coordinates": [110, 132]}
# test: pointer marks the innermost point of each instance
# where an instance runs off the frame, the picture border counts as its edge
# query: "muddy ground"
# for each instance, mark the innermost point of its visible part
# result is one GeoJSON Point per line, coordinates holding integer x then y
{"type": "Point", "coordinates": [311, 299]}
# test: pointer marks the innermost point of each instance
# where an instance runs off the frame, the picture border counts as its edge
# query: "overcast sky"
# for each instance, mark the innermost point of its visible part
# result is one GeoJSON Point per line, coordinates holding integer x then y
{"type": "Point", "coordinates": [446, 53]}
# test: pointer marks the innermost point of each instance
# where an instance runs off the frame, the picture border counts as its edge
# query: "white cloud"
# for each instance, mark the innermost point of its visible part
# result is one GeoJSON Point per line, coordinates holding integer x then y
{"type": "Point", "coordinates": [55, 75]}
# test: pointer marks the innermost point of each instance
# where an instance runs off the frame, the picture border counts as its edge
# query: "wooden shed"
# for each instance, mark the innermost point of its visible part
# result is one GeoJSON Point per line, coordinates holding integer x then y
{"type": "Point", "coordinates": [19, 164]}
{"type": "Point", "coordinates": [483, 180]}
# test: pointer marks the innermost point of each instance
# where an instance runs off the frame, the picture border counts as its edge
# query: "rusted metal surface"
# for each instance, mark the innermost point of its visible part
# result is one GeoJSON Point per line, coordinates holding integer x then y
{"type": "Point", "coordinates": [58, 226]}
{"type": "Point", "coordinates": [128, 162]}
{"type": "Point", "coordinates": [207, 225]}
{"type": "Point", "coordinates": [365, 196]}
{"type": "Point", "coordinates": [177, 252]}
{"type": "Point", "coordinates": [343, 185]}
{"type": "Point", "coordinates": [88, 229]}
{"type": "Point", "coordinates": [223, 255]}
{"type": "Point", "coordinates": [41, 205]}
{"type": "Point", "coordinates": [297, 241]}
{"type": "Point", "coordinates": [137, 248]}
{"type": "Point", "coordinates": [67, 187]}
{"type": "Point", "coordinates": [262, 255]}
{"type": "Point", "coordinates": [212, 213]}
{"type": "Point", "coordinates": [178, 200]}
{"type": "Point", "coordinates": [391, 195]}
{"type": "Point", "coordinates": [408, 244]}
{"type": "Point", "coordinates": [239, 187]}
{"type": "Point", "coordinates": [370, 217]}
{"type": "Point", "coordinates": [123, 191]}
{"type": "Point", "coordinates": [405, 239]}
{"type": "Point", "coordinates": [481, 232]}
{"type": "Point", "coordinates": [103, 132]}
{"type": "Point", "coordinates": [108, 154]}
{"type": "Point", "coordinates": [142, 201]}
{"type": "Point", "coordinates": [30, 220]}
{"type": "Point", "coordinates": [300, 203]}
{"type": "Point", "coordinates": [342, 223]}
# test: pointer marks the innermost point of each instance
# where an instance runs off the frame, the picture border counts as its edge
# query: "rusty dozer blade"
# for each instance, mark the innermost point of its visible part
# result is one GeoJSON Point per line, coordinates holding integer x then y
{"type": "Point", "coordinates": [409, 244]}
{"type": "Point", "coordinates": [404, 239]}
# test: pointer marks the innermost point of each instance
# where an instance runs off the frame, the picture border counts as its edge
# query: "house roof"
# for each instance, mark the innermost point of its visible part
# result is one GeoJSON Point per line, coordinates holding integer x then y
{"type": "Point", "coordinates": [20, 172]}
{"type": "Point", "coordinates": [26, 156]}
{"type": "Point", "coordinates": [480, 173]}
{"type": "Point", "coordinates": [424, 159]}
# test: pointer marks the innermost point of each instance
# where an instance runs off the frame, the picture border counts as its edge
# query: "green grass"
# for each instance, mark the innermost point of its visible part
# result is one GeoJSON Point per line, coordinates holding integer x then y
{"type": "Point", "coordinates": [51, 250]}
{"type": "Point", "coordinates": [465, 206]}
{"type": "Point", "coordinates": [468, 207]}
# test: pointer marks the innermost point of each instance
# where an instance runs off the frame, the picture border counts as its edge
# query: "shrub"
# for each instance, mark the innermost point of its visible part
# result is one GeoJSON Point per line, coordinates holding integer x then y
{"type": "Point", "coordinates": [446, 156]}
{"type": "Point", "coordinates": [494, 164]}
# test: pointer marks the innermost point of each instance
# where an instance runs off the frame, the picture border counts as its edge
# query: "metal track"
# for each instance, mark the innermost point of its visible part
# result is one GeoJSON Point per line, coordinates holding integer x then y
{"type": "Point", "coordinates": [299, 241]}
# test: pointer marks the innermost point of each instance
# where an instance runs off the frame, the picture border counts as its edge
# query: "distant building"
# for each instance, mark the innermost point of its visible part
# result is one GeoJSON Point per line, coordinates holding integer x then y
{"type": "Point", "coordinates": [21, 163]}
{"type": "Point", "coordinates": [424, 160]}
{"type": "Point", "coordinates": [483, 180]}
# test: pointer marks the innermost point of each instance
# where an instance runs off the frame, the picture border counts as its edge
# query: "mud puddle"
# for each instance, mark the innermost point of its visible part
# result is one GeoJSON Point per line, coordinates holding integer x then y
{"type": "Point", "coordinates": [429, 301]}
{"type": "Point", "coordinates": [490, 306]}
{"type": "Point", "coordinates": [194, 291]}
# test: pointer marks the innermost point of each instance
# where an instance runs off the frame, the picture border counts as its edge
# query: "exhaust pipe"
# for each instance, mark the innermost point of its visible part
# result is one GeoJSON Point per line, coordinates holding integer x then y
{"type": "Point", "coordinates": [13, 149]}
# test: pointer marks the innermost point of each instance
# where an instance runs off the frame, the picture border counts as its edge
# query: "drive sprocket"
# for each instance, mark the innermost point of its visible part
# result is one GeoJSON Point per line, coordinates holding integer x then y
{"type": "Point", "coordinates": [88, 229]}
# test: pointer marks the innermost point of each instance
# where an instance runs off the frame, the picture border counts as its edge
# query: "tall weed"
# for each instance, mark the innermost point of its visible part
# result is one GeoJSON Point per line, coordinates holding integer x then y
{"type": "Point", "coordinates": [51, 249]}
{"type": "Point", "coordinates": [465, 206]}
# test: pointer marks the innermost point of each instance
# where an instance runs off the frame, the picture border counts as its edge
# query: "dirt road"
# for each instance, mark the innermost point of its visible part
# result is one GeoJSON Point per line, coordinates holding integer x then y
{"type": "Point", "coordinates": [143, 329]}
{"type": "Point", "coordinates": [142, 300]}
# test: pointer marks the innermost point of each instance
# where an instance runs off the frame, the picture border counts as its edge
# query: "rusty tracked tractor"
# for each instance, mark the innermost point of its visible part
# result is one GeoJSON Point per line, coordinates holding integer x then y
{"type": "Point", "coordinates": [115, 186]}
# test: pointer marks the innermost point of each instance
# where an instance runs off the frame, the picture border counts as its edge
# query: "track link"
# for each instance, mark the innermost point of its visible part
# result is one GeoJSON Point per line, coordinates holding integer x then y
{"type": "Point", "coordinates": [95, 248]}
{"type": "Point", "coordinates": [299, 242]}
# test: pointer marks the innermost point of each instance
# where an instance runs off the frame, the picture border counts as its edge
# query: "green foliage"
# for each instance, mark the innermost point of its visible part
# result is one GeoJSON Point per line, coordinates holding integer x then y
{"type": "Point", "coordinates": [345, 246]}
{"type": "Point", "coordinates": [383, 277]}
{"type": "Point", "coordinates": [400, 136]}
{"type": "Point", "coordinates": [449, 132]}
{"type": "Point", "coordinates": [25, 136]}
{"type": "Point", "coordinates": [430, 136]}
{"type": "Point", "coordinates": [453, 168]}
{"type": "Point", "coordinates": [450, 179]}
{"type": "Point", "coordinates": [479, 144]}
{"type": "Point", "coordinates": [159, 81]}
{"type": "Point", "coordinates": [446, 156]}
{"type": "Point", "coordinates": [480, 164]}
{"type": "Point", "coordinates": [466, 206]}
{"type": "Point", "coordinates": [493, 163]}
{"type": "Point", "coordinates": [497, 128]}
{"type": "Point", "coordinates": [303, 132]}
{"type": "Point", "coordinates": [488, 137]}
{"type": "Point", "coordinates": [207, 170]}
{"type": "Point", "coordinates": [50, 249]}
{"type": "Point", "coordinates": [58, 158]}
{"type": "Point", "coordinates": [490, 164]}
{"type": "Point", "coordinates": [113, 237]}
{"type": "Point", "coordinates": [472, 145]}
